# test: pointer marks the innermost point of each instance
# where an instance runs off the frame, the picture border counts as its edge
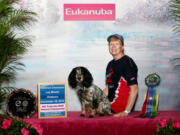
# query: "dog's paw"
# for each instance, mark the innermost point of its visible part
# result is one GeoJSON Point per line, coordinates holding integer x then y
{"type": "Point", "coordinates": [82, 115]}
{"type": "Point", "coordinates": [109, 113]}
{"type": "Point", "coordinates": [91, 116]}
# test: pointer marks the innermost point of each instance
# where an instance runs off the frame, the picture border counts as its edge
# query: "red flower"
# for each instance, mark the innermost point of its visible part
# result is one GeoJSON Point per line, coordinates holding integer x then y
{"type": "Point", "coordinates": [176, 125]}
{"type": "Point", "coordinates": [6, 124]}
{"type": "Point", "coordinates": [163, 123]}
{"type": "Point", "coordinates": [157, 129]}
{"type": "Point", "coordinates": [38, 128]}
{"type": "Point", "coordinates": [24, 131]}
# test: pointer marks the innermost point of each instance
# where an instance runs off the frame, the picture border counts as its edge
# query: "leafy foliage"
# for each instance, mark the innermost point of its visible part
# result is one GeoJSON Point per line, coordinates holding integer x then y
{"type": "Point", "coordinates": [165, 127]}
{"type": "Point", "coordinates": [10, 126]}
{"type": "Point", "coordinates": [12, 45]}
{"type": "Point", "coordinates": [175, 13]}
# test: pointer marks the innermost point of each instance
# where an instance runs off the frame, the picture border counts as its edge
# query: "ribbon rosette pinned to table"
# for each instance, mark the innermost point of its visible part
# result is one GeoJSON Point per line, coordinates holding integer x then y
{"type": "Point", "coordinates": [149, 108]}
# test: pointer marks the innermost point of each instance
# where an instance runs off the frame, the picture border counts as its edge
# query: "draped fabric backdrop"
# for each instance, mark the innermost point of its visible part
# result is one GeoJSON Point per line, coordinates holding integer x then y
{"type": "Point", "coordinates": [58, 46]}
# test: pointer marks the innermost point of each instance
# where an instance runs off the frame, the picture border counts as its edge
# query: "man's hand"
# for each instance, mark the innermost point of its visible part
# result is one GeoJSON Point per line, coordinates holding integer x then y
{"type": "Point", "coordinates": [121, 114]}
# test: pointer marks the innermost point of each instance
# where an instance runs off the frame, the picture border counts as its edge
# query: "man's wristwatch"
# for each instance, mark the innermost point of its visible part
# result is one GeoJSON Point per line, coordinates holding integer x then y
{"type": "Point", "coordinates": [127, 112]}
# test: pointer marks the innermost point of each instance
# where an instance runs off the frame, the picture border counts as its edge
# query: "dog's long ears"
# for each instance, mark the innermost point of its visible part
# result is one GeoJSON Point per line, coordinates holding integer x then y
{"type": "Point", "coordinates": [88, 79]}
{"type": "Point", "coordinates": [72, 79]}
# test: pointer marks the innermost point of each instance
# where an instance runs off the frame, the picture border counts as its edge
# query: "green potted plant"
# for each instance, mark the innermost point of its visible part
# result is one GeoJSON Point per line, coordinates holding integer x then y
{"type": "Point", "coordinates": [11, 126]}
{"type": "Point", "coordinates": [165, 127]}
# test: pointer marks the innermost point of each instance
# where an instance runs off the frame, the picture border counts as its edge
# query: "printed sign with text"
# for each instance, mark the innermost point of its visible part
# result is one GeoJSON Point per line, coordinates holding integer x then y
{"type": "Point", "coordinates": [89, 12]}
{"type": "Point", "coordinates": [52, 100]}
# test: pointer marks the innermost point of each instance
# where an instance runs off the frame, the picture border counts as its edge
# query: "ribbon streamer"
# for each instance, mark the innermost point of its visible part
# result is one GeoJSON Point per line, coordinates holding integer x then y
{"type": "Point", "coordinates": [149, 108]}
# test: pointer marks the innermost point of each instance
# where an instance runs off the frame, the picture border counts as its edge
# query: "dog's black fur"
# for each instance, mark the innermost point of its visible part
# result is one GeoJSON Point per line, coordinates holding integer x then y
{"type": "Point", "coordinates": [88, 79]}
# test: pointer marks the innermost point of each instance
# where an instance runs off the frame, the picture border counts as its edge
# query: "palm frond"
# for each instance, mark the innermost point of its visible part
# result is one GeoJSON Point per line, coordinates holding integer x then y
{"type": "Point", "coordinates": [8, 90]}
{"type": "Point", "coordinates": [7, 77]}
{"type": "Point", "coordinates": [4, 92]}
{"type": "Point", "coordinates": [2, 98]}
{"type": "Point", "coordinates": [176, 28]}
{"type": "Point", "coordinates": [12, 47]}
{"type": "Point", "coordinates": [5, 6]}
{"type": "Point", "coordinates": [12, 18]}
{"type": "Point", "coordinates": [175, 59]}
{"type": "Point", "coordinates": [19, 19]}
{"type": "Point", "coordinates": [22, 19]}
{"type": "Point", "coordinates": [175, 14]}
{"type": "Point", "coordinates": [9, 70]}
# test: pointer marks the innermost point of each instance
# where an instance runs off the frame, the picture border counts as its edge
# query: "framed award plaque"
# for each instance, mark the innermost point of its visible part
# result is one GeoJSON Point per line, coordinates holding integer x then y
{"type": "Point", "coordinates": [21, 103]}
{"type": "Point", "coordinates": [52, 102]}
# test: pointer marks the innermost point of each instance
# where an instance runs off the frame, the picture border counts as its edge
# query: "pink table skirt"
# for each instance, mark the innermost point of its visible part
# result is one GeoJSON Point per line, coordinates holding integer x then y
{"type": "Point", "coordinates": [108, 125]}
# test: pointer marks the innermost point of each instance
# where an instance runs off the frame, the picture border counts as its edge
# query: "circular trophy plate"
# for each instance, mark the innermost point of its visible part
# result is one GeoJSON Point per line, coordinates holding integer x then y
{"type": "Point", "coordinates": [21, 103]}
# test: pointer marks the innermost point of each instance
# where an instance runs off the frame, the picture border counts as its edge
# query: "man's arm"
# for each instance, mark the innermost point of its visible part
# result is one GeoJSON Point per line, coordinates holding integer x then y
{"type": "Point", "coordinates": [106, 90]}
{"type": "Point", "coordinates": [131, 100]}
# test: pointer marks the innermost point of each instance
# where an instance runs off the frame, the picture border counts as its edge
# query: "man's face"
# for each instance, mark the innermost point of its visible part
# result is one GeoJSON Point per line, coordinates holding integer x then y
{"type": "Point", "coordinates": [116, 48]}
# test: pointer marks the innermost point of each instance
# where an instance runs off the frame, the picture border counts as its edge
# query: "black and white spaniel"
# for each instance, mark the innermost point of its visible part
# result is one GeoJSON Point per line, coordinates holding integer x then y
{"type": "Point", "coordinates": [91, 97]}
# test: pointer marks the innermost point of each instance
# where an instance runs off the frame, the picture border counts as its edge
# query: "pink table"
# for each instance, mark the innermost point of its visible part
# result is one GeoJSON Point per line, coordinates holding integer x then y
{"type": "Point", "coordinates": [108, 125]}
